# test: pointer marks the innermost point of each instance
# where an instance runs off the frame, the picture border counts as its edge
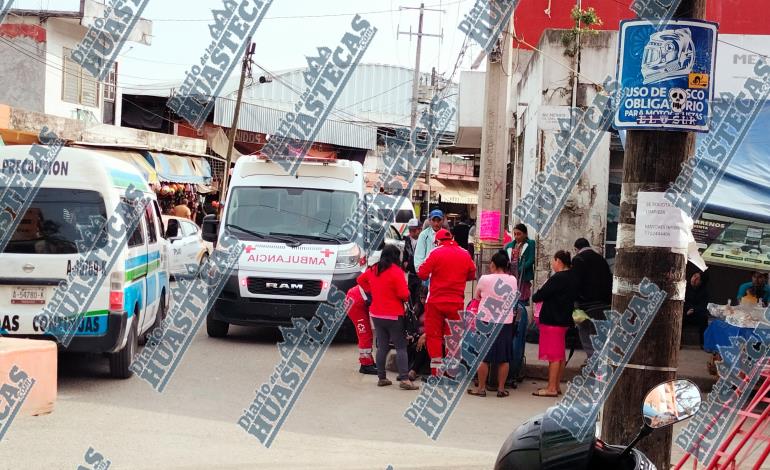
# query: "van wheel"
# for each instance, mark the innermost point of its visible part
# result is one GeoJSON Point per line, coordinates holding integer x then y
{"type": "Point", "coordinates": [216, 328]}
{"type": "Point", "coordinates": [347, 332]}
{"type": "Point", "coordinates": [120, 362]}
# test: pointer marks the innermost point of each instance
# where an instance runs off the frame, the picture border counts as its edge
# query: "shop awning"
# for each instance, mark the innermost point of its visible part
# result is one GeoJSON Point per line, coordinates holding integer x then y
{"type": "Point", "coordinates": [136, 159]}
{"type": "Point", "coordinates": [14, 137]}
{"type": "Point", "coordinates": [458, 191]}
{"type": "Point", "coordinates": [179, 169]}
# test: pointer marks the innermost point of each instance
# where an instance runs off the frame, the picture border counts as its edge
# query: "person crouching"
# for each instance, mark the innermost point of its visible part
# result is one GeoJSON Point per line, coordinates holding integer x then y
{"type": "Point", "coordinates": [359, 315]}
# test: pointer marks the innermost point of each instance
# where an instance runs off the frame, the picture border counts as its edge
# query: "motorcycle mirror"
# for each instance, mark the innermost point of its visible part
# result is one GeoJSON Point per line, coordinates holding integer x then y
{"type": "Point", "coordinates": [666, 404]}
{"type": "Point", "coordinates": [671, 402]}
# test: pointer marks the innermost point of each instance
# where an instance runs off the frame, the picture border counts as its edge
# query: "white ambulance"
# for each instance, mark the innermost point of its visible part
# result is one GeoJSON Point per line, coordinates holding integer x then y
{"type": "Point", "coordinates": [44, 250]}
{"type": "Point", "coordinates": [296, 247]}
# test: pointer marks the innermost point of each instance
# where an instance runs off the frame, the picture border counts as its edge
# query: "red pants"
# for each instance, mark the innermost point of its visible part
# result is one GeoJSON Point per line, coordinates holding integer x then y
{"type": "Point", "coordinates": [359, 315]}
{"type": "Point", "coordinates": [436, 327]}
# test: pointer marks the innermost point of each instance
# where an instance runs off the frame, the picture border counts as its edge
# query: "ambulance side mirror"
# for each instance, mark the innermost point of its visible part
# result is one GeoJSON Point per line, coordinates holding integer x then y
{"type": "Point", "coordinates": [210, 228]}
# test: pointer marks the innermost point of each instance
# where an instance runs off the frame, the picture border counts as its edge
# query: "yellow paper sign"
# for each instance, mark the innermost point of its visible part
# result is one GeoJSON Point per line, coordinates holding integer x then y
{"type": "Point", "coordinates": [698, 80]}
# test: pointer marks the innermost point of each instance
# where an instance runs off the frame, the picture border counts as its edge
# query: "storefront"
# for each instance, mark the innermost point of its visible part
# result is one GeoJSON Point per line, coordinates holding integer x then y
{"type": "Point", "coordinates": [456, 198]}
{"type": "Point", "coordinates": [182, 178]}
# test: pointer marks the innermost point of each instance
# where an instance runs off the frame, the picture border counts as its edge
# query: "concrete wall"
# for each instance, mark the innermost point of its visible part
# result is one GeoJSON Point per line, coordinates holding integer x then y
{"type": "Point", "coordinates": [32, 69]}
{"type": "Point", "coordinates": [22, 72]}
{"type": "Point", "coordinates": [547, 81]}
{"type": "Point", "coordinates": [64, 33]}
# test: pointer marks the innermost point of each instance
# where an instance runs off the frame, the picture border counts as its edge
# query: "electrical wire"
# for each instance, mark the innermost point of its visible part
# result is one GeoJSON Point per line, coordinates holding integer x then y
{"type": "Point", "coordinates": [287, 17]}
{"type": "Point", "coordinates": [33, 55]}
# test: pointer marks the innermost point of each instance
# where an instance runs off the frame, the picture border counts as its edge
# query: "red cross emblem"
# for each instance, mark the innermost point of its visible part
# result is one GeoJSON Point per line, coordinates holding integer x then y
{"type": "Point", "coordinates": [327, 252]}
{"type": "Point", "coordinates": [249, 249]}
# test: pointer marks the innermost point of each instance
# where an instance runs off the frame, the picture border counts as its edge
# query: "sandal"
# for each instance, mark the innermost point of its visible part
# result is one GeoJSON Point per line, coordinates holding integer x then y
{"type": "Point", "coordinates": [544, 393]}
{"type": "Point", "coordinates": [482, 393]}
{"type": "Point", "coordinates": [502, 393]}
{"type": "Point", "coordinates": [412, 376]}
{"type": "Point", "coordinates": [384, 383]}
{"type": "Point", "coordinates": [408, 386]}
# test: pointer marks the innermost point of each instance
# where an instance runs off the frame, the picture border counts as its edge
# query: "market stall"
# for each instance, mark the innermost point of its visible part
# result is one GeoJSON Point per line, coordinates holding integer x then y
{"type": "Point", "coordinates": [181, 178]}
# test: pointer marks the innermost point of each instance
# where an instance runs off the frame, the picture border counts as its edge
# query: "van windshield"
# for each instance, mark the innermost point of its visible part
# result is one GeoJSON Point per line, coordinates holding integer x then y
{"type": "Point", "coordinates": [299, 212]}
{"type": "Point", "coordinates": [50, 225]}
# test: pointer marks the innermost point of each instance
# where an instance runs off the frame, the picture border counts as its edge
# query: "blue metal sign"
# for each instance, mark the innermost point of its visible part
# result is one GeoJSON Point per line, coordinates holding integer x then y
{"type": "Point", "coordinates": [666, 74]}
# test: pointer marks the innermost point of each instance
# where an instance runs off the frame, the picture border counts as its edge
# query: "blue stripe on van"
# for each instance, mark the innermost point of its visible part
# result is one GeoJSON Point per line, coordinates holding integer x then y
{"type": "Point", "coordinates": [132, 295]}
{"type": "Point", "coordinates": [152, 288]}
{"type": "Point", "coordinates": [136, 261]}
{"type": "Point", "coordinates": [153, 256]}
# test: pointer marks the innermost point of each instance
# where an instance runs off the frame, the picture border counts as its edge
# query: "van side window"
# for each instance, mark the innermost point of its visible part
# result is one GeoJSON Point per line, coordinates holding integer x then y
{"type": "Point", "coordinates": [159, 219]}
{"type": "Point", "coordinates": [136, 238]}
{"type": "Point", "coordinates": [148, 217]}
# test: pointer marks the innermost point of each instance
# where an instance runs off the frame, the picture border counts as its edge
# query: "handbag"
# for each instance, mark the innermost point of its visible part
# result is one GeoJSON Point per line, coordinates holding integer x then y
{"type": "Point", "coordinates": [537, 307]}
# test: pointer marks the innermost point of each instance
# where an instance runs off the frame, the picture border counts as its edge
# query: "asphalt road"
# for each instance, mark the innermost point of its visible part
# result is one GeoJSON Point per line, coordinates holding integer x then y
{"type": "Point", "coordinates": [341, 421]}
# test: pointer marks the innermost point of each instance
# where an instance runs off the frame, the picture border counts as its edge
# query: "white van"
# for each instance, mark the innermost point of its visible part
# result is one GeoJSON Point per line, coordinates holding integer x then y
{"type": "Point", "coordinates": [296, 248]}
{"type": "Point", "coordinates": [43, 251]}
{"type": "Point", "coordinates": [402, 216]}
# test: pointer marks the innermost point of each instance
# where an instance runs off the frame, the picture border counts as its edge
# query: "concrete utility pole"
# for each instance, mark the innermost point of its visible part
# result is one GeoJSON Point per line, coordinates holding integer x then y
{"type": "Point", "coordinates": [653, 160]}
{"type": "Point", "coordinates": [495, 143]}
{"type": "Point", "coordinates": [245, 69]}
{"type": "Point", "coordinates": [416, 84]}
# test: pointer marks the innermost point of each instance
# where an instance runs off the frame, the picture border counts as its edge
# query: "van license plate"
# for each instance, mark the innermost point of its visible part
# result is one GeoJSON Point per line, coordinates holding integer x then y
{"type": "Point", "coordinates": [28, 295]}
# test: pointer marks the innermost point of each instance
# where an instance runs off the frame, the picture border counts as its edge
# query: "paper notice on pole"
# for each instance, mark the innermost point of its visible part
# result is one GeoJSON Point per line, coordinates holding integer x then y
{"type": "Point", "coordinates": [489, 229]}
{"type": "Point", "coordinates": [659, 223]}
{"type": "Point", "coordinates": [548, 117]}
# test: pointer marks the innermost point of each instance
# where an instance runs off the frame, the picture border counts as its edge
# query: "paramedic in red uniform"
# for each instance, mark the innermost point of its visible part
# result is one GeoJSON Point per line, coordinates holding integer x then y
{"type": "Point", "coordinates": [359, 315]}
{"type": "Point", "coordinates": [449, 267]}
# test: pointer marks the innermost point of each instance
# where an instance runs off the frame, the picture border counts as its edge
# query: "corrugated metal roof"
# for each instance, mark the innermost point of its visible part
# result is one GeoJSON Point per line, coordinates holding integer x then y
{"type": "Point", "coordinates": [376, 94]}
{"type": "Point", "coordinates": [265, 120]}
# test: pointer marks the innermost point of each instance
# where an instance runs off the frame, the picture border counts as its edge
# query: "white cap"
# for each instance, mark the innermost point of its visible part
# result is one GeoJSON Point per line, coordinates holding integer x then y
{"type": "Point", "coordinates": [413, 223]}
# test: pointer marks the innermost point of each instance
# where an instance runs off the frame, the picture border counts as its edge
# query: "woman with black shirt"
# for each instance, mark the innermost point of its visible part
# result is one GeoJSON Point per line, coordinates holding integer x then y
{"type": "Point", "coordinates": [558, 296]}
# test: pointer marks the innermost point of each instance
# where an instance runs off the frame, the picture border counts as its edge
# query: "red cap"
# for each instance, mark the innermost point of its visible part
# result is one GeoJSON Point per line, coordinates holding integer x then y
{"type": "Point", "coordinates": [443, 234]}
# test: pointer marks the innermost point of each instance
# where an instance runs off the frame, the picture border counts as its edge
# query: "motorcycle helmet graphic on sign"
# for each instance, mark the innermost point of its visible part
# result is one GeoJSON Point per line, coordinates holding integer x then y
{"type": "Point", "coordinates": [668, 54]}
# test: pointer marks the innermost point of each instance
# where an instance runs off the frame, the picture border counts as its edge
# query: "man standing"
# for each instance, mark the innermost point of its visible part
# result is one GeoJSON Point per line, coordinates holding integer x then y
{"type": "Point", "coordinates": [408, 260]}
{"type": "Point", "coordinates": [594, 289]}
{"type": "Point", "coordinates": [449, 268]}
{"type": "Point", "coordinates": [183, 210]}
{"type": "Point", "coordinates": [461, 231]}
{"type": "Point", "coordinates": [426, 240]}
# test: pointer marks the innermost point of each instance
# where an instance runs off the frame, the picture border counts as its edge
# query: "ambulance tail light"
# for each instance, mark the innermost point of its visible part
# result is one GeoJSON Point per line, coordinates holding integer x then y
{"type": "Point", "coordinates": [116, 291]}
{"type": "Point", "coordinates": [349, 258]}
{"type": "Point", "coordinates": [244, 282]}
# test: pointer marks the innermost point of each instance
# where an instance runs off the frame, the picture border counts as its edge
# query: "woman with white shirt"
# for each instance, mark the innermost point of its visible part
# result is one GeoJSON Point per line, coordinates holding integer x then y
{"type": "Point", "coordinates": [501, 351]}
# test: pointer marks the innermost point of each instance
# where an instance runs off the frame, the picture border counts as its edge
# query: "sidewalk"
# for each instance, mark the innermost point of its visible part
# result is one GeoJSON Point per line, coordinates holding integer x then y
{"type": "Point", "coordinates": [692, 366]}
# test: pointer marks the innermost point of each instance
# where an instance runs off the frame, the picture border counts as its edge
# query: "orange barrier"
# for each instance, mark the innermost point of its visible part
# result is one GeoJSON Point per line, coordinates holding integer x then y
{"type": "Point", "coordinates": [38, 359]}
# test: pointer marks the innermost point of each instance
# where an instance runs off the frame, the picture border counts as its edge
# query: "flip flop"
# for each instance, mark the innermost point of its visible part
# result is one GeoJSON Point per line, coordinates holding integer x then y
{"type": "Point", "coordinates": [544, 393]}
{"type": "Point", "coordinates": [482, 393]}
{"type": "Point", "coordinates": [502, 393]}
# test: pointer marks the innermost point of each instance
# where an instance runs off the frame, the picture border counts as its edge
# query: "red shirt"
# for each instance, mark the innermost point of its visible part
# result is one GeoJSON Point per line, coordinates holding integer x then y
{"type": "Point", "coordinates": [388, 291]}
{"type": "Point", "coordinates": [449, 267]}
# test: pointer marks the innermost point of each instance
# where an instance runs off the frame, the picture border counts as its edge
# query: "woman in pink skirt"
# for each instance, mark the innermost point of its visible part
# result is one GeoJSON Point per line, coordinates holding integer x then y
{"type": "Point", "coordinates": [558, 296]}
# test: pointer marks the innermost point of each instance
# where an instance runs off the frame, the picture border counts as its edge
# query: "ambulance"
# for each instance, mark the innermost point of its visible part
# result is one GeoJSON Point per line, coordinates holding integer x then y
{"type": "Point", "coordinates": [296, 245]}
{"type": "Point", "coordinates": [130, 297]}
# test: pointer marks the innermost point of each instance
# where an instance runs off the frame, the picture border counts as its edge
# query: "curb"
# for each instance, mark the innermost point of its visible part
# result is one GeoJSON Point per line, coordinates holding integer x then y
{"type": "Point", "coordinates": [540, 372]}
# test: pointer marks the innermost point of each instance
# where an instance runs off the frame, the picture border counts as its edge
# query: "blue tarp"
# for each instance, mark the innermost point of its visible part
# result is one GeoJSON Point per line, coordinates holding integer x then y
{"type": "Point", "coordinates": [743, 192]}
